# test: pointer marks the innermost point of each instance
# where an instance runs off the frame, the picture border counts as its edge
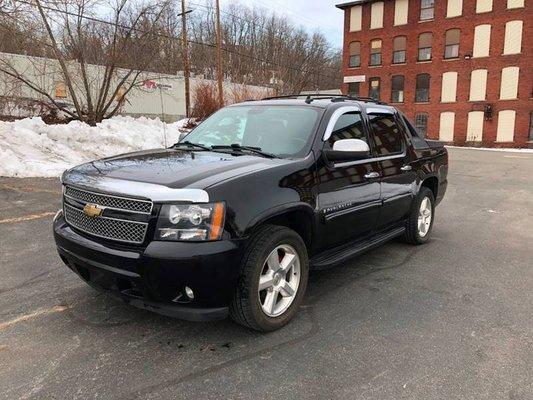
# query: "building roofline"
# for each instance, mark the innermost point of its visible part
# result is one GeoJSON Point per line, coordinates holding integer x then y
{"type": "Point", "coordinates": [344, 6]}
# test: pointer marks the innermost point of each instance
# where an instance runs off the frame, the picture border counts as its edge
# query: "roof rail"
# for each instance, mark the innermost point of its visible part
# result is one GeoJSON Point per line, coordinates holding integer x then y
{"type": "Point", "coordinates": [318, 96]}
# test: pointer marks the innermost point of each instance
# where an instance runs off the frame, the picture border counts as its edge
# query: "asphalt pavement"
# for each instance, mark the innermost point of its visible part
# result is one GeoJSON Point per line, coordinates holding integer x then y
{"type": "Point", "coordinates": [452, 319]}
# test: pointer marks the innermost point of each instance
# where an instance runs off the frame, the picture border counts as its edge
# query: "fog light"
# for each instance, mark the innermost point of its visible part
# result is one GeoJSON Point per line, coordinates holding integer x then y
{"type": "Point", "coordinates": [189, 293]}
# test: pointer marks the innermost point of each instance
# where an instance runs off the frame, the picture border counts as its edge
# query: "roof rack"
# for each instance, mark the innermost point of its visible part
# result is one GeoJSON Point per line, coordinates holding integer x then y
{"type": "Point", "coordinates": [318, 96]}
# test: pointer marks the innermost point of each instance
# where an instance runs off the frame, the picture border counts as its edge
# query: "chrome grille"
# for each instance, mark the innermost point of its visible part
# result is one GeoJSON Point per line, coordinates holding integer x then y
{"type": "Point", "coordinates": [105, 200]}
{"type": "Point", "coordinates": [108, 228]}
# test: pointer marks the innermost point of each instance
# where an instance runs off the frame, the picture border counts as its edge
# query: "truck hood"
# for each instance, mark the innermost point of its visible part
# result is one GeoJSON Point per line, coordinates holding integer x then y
{"type": "Point", "coordinates": [172, 168]}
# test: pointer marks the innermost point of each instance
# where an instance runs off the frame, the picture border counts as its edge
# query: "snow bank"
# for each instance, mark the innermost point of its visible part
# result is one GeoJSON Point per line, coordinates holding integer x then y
{"type": "Point", "coordinates": [29, 147]}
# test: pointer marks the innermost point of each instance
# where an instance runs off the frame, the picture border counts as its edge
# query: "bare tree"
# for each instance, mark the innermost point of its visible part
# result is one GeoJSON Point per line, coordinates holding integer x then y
{"type": "Point", "coordinates": [99, 62]}
{"type": "Point", "coordinates": [261, 48]}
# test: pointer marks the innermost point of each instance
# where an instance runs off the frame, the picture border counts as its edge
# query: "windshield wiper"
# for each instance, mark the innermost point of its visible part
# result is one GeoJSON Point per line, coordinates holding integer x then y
{"type": "Point", "coordinates": [238, 147]}
{"type": "Point", "coordinates": [190, 144]}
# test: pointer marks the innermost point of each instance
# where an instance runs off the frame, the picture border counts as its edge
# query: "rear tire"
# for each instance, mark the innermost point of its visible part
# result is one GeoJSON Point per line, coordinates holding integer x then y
{"type": "Point", "coordinates": [272, 281]}
{"type": "Point", "coordinates": [420, 222]}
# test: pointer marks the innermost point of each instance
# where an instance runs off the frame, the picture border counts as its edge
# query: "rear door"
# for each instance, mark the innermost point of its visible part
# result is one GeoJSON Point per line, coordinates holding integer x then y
{"type": "Point", "coordinates": [397, 175]}
{"type": "Point", "coordinates": [349, 198]}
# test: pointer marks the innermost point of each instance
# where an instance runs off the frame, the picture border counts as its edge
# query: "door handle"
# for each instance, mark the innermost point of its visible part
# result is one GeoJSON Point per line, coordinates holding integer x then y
{"type": "Point", "coordinates": [372, 175]}
{"type": "Point", "coordinates": [406, 168]}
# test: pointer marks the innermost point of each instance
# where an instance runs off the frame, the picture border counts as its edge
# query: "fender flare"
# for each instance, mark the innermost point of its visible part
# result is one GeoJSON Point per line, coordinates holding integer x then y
{"type": "Point", "coordinates": [279, 210]}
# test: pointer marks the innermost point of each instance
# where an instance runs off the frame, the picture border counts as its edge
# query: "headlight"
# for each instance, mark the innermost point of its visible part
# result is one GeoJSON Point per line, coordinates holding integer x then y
{"type": "Point", "coordinates": [194, 222]}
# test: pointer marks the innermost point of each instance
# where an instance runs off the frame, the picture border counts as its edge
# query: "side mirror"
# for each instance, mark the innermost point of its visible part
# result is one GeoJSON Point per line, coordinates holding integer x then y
{"type": "Point", "coordinates": [348, 150]}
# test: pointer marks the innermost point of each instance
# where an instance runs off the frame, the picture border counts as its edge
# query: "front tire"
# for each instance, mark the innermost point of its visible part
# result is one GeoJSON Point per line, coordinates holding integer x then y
{"type": "Point", "coordinates": [273, 279]}
{"type": "Point", "coordinates": [420, 221]}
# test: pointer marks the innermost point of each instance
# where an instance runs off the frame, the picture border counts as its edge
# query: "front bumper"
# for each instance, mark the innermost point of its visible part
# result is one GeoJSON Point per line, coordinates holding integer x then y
{"type": "Point", "coordinates": [154, 277]}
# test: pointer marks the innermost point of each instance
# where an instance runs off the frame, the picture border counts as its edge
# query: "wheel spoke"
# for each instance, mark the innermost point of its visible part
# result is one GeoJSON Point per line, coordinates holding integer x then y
{"type": "Point", "coordinates": [270, 301]}
{"type": "Point", "coordinates": [287, 262]}
{"type": "Point", "coordinates": [273, 261]}
{"type": "Point", "coordinates": [279, 280]}
{"type": "Point", "coordinates": [286, 289]}
{"type": "Point", "coordinates": [265, 282]}
{"type": "Point", "coordinates": [421, 226]}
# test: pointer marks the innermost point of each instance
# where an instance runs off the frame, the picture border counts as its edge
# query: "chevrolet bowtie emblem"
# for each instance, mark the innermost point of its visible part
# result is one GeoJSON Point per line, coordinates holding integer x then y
{"type": "Point", "coordinates": [92, 210]}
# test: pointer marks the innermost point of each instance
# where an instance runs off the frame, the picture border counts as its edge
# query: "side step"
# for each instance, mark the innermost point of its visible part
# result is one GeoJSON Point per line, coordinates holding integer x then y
{"type": "Point", "coordinates": [341, 253]}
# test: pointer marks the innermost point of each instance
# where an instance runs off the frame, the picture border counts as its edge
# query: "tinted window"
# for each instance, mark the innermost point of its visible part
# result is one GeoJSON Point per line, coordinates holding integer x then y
{"type": "Point", "coordinates": [386, 134]}
{"type": "Point", "coordinates": [348, 126]}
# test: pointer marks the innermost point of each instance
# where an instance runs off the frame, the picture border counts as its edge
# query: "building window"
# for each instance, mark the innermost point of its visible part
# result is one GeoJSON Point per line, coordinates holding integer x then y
{"type": "Point", "coordinates": [355, 54]}
{"type": "Point", "coordinates": [449, 87]}
{"type": "Point", "coordinates": [375, 52]}
{"type": "Point", "coordinates": [427, 9]}
{"type": "Point", "coordinates": [424, 46]}
{"type": "Point", "coordinates": [451, 49]}
{"type": "Point", "coordinates": [509, 83]}
{"type": "Point", "coordinates": [483, 6]}
{"type": "Point", "coordinates": [447, 123]}
{"type": "Point", "coordinates": [481, 41]}
{"type": "Point", "coordinates": [374, 88]}
{"type": "Point", "coordinates": [421, 124]}
{"type": "Point", "coordinates": [354, 89]}
{"type": "Point", "coordinates": [398, 49]}
{"type": "Point", "coordinates": [515, 3]}
{"type": "Point", "coordinates": [474, 126]}
{"type": "Point", "coordinates": [376, 15]}
{"type": "Point", "coordinates": [454, 9]}
{"type": "Point", "coordinates": [513, 37]}
{"type": "Point", "coordinates": [401, 11]}
{"type": "Point", "coordinates": [422, 88]}
{"type": "Point", "coordinates": [506, 125]}
{"type": "Point", "coordinates": [478, 85]}
{"type": "Point", "coordinates": [355, 18]}
{"type": "Point", "coordinates": [397, 89]}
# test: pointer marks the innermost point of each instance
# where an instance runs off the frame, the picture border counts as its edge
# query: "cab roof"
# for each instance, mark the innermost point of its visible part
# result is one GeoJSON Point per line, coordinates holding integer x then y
{"type": "Point", "coordinates": [320, 101]}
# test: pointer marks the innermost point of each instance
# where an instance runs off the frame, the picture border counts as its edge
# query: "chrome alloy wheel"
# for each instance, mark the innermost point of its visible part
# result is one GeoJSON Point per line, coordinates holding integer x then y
{"type": "Point", "coordinates": [279, 280]}
{"type": "Point", "coordinates": [425, 213]}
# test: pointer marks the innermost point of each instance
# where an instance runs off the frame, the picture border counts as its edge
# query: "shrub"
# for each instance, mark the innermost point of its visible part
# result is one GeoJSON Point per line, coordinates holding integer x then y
{"type": "Point", "coordinates": [205, 100]}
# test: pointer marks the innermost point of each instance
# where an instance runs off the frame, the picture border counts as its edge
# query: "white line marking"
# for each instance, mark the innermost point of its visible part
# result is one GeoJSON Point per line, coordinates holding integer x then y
{"type": "Point", "coordinates": [32, 315]}
{"type": "Point", "coordinates": [27, 217]}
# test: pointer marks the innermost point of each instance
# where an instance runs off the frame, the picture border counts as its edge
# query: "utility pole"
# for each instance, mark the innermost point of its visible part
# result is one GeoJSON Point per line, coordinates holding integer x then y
{"type": "Point", "coordinates": [186, 69]}
{"type": "Point", "coordinates": [219, 56]}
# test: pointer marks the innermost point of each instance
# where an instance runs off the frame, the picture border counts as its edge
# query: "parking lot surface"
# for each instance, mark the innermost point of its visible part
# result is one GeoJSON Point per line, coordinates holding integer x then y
{"type": "Point", "coordinates": [452, 319]}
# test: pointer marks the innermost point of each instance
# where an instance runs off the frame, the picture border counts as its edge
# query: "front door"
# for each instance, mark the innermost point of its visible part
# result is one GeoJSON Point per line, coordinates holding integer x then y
{"type": "Point", "coordinates": [397, 175]}
{"type": "Point", "coordinates": [349, 195]}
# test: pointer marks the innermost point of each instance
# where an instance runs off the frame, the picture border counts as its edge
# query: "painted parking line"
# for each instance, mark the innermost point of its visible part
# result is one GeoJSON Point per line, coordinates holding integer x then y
{"type": "Point", "coordinates": [35, 314]}
{"type": "Point", "coordinates": [29, 189]}
{"type": "Point", "coordinates": [27, 217]}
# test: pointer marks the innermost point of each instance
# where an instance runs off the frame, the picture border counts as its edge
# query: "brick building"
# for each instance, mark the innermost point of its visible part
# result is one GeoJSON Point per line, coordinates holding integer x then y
{"type": "Point", "coordinates": [460, 69]}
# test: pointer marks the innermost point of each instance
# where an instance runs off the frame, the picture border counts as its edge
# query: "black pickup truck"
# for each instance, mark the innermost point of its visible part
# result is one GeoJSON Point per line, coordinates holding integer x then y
{"type": "Point", "coordinates": [230, 220]}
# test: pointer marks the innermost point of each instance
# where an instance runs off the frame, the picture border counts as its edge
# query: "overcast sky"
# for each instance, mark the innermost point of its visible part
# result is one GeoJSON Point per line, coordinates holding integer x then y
{"type": "Point", "coordinates": [312, 14]}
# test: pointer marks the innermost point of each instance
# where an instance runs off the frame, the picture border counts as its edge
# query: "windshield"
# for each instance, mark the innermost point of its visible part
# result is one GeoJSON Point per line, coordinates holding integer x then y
{"type": "Point", "coordinates": [285, 131]}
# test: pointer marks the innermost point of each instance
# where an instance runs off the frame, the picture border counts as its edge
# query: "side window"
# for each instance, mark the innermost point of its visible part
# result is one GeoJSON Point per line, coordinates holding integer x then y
{"type": "Point", "coordinates": [348, 126]}
{"type": "Point", "coordinates": [386, 134]}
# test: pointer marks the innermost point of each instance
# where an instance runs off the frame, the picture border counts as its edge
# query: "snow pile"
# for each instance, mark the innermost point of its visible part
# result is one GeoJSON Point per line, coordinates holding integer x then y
{"type": "Point", "coordinates": [29, 147]}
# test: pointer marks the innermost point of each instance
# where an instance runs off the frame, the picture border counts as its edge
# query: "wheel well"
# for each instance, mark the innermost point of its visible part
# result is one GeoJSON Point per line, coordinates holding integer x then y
{"type": "Point", "coordinates": [298, 220]}
{"type": "Point", "coordinates": [432, 184]}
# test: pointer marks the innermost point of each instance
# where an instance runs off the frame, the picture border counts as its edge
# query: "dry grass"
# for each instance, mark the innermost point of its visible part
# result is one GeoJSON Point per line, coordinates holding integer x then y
{"type": "Point", "coordinates": [205, 101]}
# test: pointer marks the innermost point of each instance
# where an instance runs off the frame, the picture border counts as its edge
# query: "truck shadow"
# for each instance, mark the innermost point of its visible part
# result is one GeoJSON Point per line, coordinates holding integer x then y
{"type": "Point", "coordinates": [224, 344]}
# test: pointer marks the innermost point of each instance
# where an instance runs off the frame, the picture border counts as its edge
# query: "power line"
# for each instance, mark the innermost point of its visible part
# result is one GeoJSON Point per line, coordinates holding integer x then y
{"type": "Point", "coordinates": [207, 7]}
{"type": "Point", "coordinates": [210, 45]}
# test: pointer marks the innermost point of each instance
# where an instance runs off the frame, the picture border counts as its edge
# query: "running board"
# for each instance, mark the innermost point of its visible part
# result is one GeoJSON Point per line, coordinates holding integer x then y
{"type": "Point", "coordinates": [341, 253]}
